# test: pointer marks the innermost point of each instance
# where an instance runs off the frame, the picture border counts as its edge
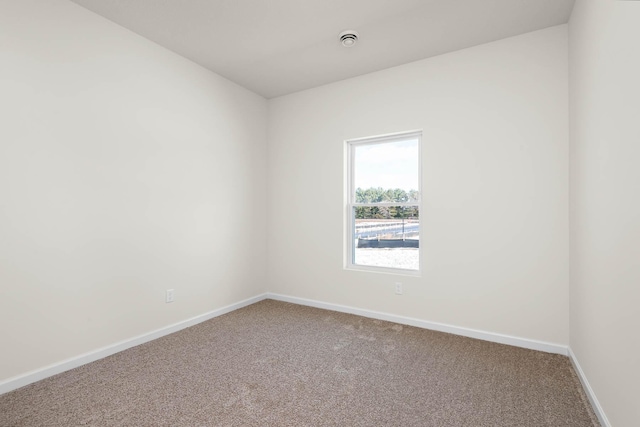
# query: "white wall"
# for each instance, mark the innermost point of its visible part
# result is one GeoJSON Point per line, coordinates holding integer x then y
{"type": "Point", "coordinates": [605, 208]}
{"type": "Point", "coordinates": [125, 170]}
{"type": "Point", "coordinates": [495, 181]}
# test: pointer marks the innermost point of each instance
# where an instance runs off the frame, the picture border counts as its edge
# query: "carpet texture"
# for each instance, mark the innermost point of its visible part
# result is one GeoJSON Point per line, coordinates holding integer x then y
{"type": "Point", "coordinates": [280, 364]}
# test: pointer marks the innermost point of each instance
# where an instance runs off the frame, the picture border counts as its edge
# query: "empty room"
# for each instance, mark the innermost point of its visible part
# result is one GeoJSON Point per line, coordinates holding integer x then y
{"type": "Point", "coordinates": [319, 213]}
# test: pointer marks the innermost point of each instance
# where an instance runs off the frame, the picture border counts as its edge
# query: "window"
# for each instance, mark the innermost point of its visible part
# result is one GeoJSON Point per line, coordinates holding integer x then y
{"type": "Point", "coordinates": [383, 203]}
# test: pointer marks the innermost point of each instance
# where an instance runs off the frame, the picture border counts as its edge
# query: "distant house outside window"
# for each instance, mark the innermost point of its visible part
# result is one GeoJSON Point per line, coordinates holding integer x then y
{"type": "Point", "coordinates": [383, 203]}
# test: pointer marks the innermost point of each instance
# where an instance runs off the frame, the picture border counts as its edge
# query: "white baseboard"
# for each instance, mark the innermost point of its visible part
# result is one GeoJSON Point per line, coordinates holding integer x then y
{"type": "Point", "coordinates": [56, 368]}
{"type": "Point", "coordinates": [589, 391]}
{"type": "Point", "coordinates": [442, 327]}
{"type": "Point", "coordinates": [74, 362]}
{"type": "Point", "coordinates": [40, 374]}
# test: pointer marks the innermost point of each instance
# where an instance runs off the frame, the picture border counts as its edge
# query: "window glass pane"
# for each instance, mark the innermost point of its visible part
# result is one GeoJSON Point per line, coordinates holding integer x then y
{"type": "Point", "coordinates": [387, 236]}
{"type": "Point", "coordinates": [386, 172]}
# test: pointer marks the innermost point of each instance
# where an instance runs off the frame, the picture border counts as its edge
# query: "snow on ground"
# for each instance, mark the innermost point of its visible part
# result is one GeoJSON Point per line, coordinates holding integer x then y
{"type": "Point", "coordinates": [385, 257]}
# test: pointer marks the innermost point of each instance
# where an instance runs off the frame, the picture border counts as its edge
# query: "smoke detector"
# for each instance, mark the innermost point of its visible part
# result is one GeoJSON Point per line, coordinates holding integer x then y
{"type": "Point", "coordinates": [348, 38]}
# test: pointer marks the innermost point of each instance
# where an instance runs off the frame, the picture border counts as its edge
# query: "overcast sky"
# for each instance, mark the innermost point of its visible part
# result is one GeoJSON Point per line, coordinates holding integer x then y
{"type": "Point", "coordinates": [388, 165]}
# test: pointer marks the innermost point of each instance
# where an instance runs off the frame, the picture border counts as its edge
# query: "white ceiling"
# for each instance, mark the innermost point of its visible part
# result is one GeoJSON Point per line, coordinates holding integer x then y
{"type": "Point", "coordinates": [276, 47]}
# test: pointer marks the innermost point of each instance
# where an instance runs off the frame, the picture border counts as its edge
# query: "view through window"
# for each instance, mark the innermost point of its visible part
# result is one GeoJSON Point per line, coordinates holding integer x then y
{"type": "Point", "coordinates": [384, 202]}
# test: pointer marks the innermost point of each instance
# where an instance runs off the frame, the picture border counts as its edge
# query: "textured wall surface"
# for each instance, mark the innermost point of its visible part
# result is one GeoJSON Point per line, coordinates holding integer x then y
{"type": "Point", "coordinates": [125, 170]}
{"type": "Point", "coordinates": [605, 208]}
{"type": "Point", "coordinates": [495, 187]}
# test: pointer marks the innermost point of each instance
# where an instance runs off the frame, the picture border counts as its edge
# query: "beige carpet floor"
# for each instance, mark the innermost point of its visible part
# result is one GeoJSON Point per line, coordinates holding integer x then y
{"type": "Point", "coordinates": [280, 364]}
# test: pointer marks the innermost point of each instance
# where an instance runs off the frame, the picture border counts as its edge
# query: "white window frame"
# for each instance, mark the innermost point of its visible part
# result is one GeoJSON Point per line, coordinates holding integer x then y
{"type": "Point", "coordinates": [350, 204]}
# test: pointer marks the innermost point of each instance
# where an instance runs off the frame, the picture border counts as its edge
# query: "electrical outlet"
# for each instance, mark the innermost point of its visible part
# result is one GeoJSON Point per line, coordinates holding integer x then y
{"type": "Point", "coordinates": [398, 288]}
{"type": "Point", "coordinates": [170, 295]}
